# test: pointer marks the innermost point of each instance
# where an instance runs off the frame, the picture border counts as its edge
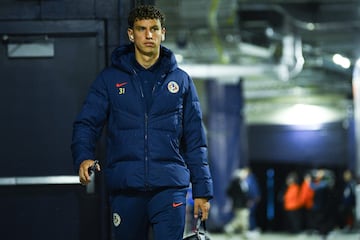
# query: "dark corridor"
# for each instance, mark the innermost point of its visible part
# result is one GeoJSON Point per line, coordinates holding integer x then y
{"type": "Point", "coordinates": [271, 177]}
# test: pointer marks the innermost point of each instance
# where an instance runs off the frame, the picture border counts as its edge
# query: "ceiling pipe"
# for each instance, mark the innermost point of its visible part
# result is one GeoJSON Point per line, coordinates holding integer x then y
{"type": "Point", "coordinates": [213, 23]}
{"type": "Point", "coordinates": [349, 25]}
{"type": "Point", "coordinates": [256, 51]}
{"type": "Point", "coordinates": [308, 26]}
{"type": "Point", "coordinates": [292, 57]}
{"type": "Point", "coordinates": [230, 73]}
{"type": "Point", "coordinates": [291, 65]}
{"type": "Point", "coordinates": [299, 63]}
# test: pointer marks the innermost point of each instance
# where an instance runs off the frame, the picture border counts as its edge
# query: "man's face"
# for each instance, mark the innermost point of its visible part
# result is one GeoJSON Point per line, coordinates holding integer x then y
{"type": "Point", "coordinates": [147, 35]}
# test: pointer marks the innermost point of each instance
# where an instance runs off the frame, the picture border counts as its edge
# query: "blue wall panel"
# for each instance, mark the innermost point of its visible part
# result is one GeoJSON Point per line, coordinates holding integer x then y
{"type": "Point", "coordinates": [226, 143]}
{"type": "Point", "coordinates": [322, 147]}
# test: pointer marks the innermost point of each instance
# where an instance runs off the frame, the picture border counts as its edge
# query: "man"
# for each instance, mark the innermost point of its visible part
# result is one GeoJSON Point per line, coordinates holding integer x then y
{"type": "Point", "coordinates": [325, 202]}
{"type": "Point", "coordinates": [254, 195]}
{"type": "Point", "coordinates": [307, 200]}
{"type": "Point", "coordinates": [238, 190]}
{"type": "Point", "coordinates": [293, 203]}
{"type": "Point", "coordinates": [348, 201]}
{"type": "Point", "coordinates": [156, 142]}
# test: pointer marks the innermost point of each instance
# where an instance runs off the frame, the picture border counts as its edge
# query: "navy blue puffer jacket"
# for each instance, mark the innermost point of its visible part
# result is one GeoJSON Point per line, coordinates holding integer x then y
{"type": "Point", "coordinates": [164, 146]}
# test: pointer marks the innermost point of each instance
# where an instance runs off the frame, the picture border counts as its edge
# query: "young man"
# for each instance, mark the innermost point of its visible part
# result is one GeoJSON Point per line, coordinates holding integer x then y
{"type": "Point", "coordinates": [156, 142]}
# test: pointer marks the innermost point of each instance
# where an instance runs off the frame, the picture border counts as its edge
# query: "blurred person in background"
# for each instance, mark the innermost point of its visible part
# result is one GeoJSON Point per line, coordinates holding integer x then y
{"type": "Point", "coordinates": [189, 219]}
{"type": "Point", "coordinates": [348, 202]}
{"type": "Point", "coordinates": [292, 203]}
{"type": "Point", "coordinates": [307, 200]}
{"type": "Point", "coordinates": [254, 196]}
{"type": "Point", "coordinates": [324, 208]}
{"type": "Point", "coordinates": [238, 191]}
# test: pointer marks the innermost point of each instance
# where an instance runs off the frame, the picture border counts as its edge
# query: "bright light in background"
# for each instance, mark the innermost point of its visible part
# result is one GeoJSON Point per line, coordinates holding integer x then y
{"type": "Point", "coordinates": [342, 61]}
{"type": "Point", "coordinates": [310, 26]}
{"type": "Point", "coordinates": [303, 114]}
{"type": "Point", "coordinates": [179, 58]}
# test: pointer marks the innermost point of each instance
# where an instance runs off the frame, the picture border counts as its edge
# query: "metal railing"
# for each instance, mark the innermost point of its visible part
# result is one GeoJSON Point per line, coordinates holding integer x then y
{"type": "Point", "coordinates": [47, 180]}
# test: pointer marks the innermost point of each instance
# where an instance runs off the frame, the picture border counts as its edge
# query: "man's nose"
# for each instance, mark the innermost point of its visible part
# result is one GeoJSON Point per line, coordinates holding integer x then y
{"type": "Point", "coordinates": [148, 35]}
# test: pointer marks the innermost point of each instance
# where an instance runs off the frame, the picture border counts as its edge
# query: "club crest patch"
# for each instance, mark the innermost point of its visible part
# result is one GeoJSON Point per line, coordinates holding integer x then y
{"type": "Point", "coordinates": [116, 219]}
{"type": "Point", "coordinates": [173, 87]}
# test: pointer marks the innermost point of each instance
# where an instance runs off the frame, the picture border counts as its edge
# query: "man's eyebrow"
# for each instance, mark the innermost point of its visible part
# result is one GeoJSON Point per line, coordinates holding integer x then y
{"type": "Point", "coordinates": [142, 26]}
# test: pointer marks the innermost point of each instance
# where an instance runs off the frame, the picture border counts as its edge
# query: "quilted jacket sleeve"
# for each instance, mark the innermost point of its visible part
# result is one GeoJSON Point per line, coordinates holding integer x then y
{"type": "Point", "coordinates": [89, 123]}
{"type": "Point", "coordinates": [195, 146]}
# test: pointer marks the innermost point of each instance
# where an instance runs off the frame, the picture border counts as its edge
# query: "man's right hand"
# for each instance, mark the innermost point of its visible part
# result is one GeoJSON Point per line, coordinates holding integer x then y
{"type": "Point", "coordinates": [84, 175]}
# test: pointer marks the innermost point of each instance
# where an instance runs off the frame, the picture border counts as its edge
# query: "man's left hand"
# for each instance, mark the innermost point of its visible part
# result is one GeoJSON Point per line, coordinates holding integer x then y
{"type": "Point", "coordinates": [202, 205]}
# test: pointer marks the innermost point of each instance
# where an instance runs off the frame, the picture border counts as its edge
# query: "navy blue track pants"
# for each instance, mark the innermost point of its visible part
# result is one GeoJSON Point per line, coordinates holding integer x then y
{"type": "Point", "coordinates": [135, 213]}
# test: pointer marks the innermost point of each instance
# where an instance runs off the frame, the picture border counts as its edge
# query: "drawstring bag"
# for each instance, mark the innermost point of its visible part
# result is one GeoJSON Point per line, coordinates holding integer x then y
{"type": "Point", "coordinates": [199, 232]}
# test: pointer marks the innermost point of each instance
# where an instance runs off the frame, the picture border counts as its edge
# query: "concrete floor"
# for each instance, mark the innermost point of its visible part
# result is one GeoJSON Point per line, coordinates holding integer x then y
{"type": "Point", "coordinates": [335, 235]}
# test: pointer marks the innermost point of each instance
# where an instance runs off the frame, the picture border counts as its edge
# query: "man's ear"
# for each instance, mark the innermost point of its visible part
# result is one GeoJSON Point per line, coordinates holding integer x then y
{"type": "Point", "coordinates": [130, 34]}
{"type": "Point", "coordinates": [163, 34]}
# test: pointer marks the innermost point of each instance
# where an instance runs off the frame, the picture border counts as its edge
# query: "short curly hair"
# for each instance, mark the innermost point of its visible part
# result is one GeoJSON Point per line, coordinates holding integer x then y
{"type": "Point", "coordinates": [145, 12]}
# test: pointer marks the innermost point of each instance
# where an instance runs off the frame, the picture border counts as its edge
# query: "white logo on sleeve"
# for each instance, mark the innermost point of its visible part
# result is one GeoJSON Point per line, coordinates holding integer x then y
{"type": "Point", "coordinates": [116, 219]}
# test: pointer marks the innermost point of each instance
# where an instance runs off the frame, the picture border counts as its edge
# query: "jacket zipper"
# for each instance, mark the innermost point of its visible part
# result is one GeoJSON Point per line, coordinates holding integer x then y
{"type": "Point", "coordinates": [146, 119]}
{"type": "Point", "coordinates": [147, 187]}
{"type": "Point", "coordinates": [146, 152]}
